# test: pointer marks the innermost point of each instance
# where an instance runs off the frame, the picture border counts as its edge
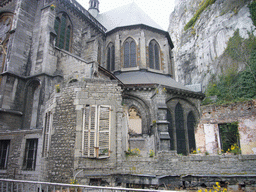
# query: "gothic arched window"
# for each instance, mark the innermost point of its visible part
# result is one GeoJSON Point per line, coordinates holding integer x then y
{"type": "Point", "coordinates": [111, 57]}
{"type": "Point", "coordinates": [130, 53]}
{"type": "Point", "coordinates": [191, 131]}
{"type": "Point", "coordinates": [180, 131]}
{"type": "Point", "coordinates": [154, 62]}
{"type": "Point", "coordinates": [63, 28]}
{"type": "Point", "coordinates": [99, 53]}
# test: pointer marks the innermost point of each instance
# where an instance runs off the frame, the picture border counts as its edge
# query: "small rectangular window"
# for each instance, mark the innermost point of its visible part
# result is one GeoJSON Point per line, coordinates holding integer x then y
{"type": "Point", "coordinates": [229, 136]}
{"type": "Point", "coordinates": [29, 162]}
{"type": "Point", "coordinates": [4, 151]}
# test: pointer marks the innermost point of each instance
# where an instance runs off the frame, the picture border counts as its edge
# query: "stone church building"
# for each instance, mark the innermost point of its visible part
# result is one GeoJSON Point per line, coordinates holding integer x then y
{"type": "Point", "coordinates": [93, 97]}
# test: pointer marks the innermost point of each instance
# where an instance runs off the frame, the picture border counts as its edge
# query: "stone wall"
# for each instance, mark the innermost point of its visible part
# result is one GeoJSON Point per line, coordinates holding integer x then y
{"type": "Point", "coordinates": [65, 156]}
{"type": "Point", "coordinates": [16, 155]}
{"type": "Point", "coordinates": [207, 132]}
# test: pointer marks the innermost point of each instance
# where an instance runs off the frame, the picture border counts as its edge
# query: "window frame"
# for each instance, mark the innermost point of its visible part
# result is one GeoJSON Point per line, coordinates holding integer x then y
{"type": "Point", "coordinates": [130, 53]}
{"type": "Point", "coordinates": [26, 154]}
{"type": "Point", "coordinates": [4, 157]}
{"type": "Point", "coordinates": [63, 30]}
{"type": "Point", "coordinates": [154, 55]}
{"type": "Point", "coordinates": [111, 57]}
{"type": "Point", "coordinates": [47, 134]}
{"type": "Point", "coordinates": [91, 132]}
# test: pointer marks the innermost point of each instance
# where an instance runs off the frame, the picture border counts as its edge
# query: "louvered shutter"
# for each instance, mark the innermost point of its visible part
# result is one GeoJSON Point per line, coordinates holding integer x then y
{"type": "Point", "coordinates": [89, 131]}
{"type": "Point", "coordinates": [104, 131]}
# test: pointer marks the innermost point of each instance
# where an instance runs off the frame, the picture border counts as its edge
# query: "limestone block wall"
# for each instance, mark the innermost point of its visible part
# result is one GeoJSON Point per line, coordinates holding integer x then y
{"type": "Point", "coordinates": [207, 132]}
{"type": "Point", "coordinates": [65, 155]}
{"type": "Point", "coordinates": [167, 163]}
{"type": "Point", "coordinates": [17, 153]}
{"type": "Point", "coordinates": [21, 39]}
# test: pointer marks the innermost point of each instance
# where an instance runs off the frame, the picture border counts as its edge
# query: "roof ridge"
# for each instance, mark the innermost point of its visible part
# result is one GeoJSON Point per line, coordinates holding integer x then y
{"type": "Point", "coordinates": [126, 15]}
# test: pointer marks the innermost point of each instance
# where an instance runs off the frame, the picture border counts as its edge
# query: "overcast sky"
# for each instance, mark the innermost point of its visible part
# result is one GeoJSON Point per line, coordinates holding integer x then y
{"type": "Point", "coordinates": [158, 10]}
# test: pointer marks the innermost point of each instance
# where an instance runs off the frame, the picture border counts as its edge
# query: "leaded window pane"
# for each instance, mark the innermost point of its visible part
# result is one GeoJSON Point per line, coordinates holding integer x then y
{"type": "Point", "coordinates": [108, 58]}
{"type": "Point", "coordinates": [154, 60]}
{"type": "Point", "coordinates": [126, 55]}
{"type": "Point", "coordinates": [191, 132]}
{"type": "Point", "coordinates": [133, 54]}
{"type": "Point", "coordinates": [180, 132]}
{"type": "Point", "coordinates": [113, 58]}
{"type": "Point", "coordinates": [67, 38]}
{"type": "Point", "coordinates": [62, 32]}
{"type": "Point", "coordinates": [156, 57]}
{"type": "Point", "coordinates": [151, 56]}
{"type": "Point", "coordinates": [56, 26]}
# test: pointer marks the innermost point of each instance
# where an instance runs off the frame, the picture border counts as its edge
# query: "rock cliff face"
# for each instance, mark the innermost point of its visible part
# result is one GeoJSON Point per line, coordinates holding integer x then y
{"type": "Point", "coordinates": [199, 51]}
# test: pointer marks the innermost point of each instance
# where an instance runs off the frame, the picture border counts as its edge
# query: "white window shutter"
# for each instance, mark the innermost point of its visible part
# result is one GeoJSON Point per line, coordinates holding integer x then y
{"type": "Point", "coordinates": [89, 131]}
{"type": "Point", "coordinates": [104, 130]}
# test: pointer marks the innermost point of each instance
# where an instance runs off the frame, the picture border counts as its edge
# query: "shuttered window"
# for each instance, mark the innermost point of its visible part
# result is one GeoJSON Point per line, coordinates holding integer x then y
{"type": "Point", "coordinates": [47, 134]}
{"type": "Point", "coordinates": [96, 131]}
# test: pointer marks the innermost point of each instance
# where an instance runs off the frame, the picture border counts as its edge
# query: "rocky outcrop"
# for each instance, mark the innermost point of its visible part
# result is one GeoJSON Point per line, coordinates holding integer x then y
{"type": "Point", "coordinates": [199, 51]}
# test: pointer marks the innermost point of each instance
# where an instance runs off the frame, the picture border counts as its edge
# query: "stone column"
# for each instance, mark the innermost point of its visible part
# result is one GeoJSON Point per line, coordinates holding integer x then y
{"type": "Point", "coordinates": [117, 53]}
{"type": "Point", "coordinates": [143, 57]}
{"type": "Point", "coordinates": [161, 122]}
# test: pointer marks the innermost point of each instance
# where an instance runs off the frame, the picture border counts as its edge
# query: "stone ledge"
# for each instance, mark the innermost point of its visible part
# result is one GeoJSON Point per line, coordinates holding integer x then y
{"type": "Point", "coordinates": [11, 111]}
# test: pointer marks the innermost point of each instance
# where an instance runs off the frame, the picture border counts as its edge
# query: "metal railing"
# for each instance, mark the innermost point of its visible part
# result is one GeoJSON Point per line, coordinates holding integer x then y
{"type": "Point", "coordinates": [9, 185]}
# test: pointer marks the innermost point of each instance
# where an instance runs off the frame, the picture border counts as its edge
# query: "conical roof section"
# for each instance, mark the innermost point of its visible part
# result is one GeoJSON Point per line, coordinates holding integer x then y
{"type": "Point", "coordinates": [126, 15]}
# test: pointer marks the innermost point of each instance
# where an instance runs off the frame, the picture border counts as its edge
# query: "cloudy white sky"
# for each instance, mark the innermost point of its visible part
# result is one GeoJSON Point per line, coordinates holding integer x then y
{"type": "Point", "coordinates": [158, 10]}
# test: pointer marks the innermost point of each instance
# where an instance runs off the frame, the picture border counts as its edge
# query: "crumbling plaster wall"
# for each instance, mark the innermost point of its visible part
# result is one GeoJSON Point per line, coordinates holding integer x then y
{"type": "Point", "coordinates": [207, 132]}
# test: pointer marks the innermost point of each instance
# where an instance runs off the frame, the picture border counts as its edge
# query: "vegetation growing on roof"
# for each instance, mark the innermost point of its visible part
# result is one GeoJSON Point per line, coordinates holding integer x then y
{"type": "Point", "coordinates": [202, 6]}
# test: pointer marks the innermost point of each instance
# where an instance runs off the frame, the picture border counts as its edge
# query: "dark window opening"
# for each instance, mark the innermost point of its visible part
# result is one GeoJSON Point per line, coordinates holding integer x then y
{"type": "Point", "coordinates": [170, 129]}
{"type": "Point", "coordinates": [130, 53]}
{"type": "Point", "coordinates": [4, 151]}
{"type": "Point", "coordinates": [154, 55]}
{"type": "Point", "coordinates": [180, 131]}
{"type": "Point", "coordinates": [111, 58]}
{"type": "Point", "coordinates": [191, 132]}
{"type": "Point", "coordinates": [229, 136]}
{"type": "Point", "coordinates": [29, 162]}
{"type": "Point", "coordinates": [62, 27]}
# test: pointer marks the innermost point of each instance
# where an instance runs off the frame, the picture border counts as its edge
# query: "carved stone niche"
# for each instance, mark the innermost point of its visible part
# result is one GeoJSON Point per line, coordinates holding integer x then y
{"type": "Point", "coordinates": [5, 31]}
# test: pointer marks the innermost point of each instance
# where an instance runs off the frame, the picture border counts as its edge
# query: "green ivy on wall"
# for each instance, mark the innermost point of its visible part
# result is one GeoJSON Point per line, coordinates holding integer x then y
{"type": "Point", "coordinates": [235, 85]}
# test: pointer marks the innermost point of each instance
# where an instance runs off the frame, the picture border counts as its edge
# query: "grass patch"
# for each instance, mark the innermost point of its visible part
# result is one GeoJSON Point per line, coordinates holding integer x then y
{"type": "Point", "coordinates": [203, 5]}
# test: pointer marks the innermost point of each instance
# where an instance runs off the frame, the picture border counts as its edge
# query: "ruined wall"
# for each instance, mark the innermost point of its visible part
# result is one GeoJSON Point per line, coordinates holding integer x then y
{"type": "Point", "coordinates": [207, 132]}
{"type": "Point", "coordinates": [65, 156]}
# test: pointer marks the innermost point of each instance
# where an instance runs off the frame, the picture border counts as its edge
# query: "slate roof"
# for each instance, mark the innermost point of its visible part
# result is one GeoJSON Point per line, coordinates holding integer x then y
{"type": "Point", "coordinates": [146, 77]}
{"type": "Point", "coordinates": [127, 15]}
